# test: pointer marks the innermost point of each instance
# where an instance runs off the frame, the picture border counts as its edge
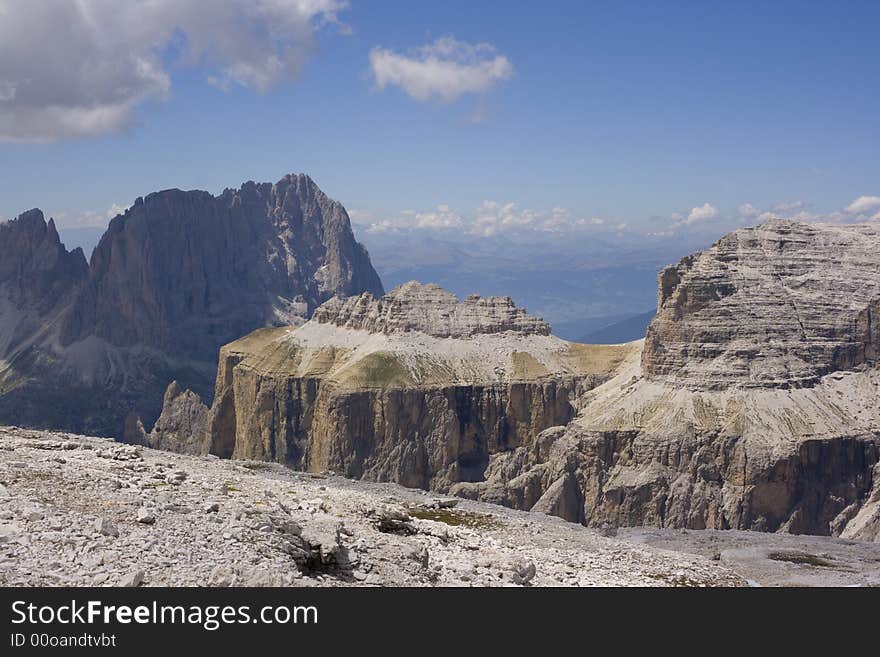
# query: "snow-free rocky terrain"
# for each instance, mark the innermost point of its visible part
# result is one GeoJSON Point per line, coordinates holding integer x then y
{"type": "Point", "coordinates": [752, 403]}
{"type": "Point", "coordinates": [87, 511]}
{"type": "Point", "coordinates": [90, 347]}
{"type": "Point", "coordinates": [81, 511]}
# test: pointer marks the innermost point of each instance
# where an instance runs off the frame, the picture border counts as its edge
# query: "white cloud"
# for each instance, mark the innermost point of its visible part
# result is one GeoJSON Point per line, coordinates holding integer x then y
{"type": "Point", "coordinates": [446, 69]}
{"type": "Point", "coordinates": [443, 217]}
{"type": "Point", "coordinates": [701, 213]}
{"type": "Point", "coordinates": [79, 69]}
{"type": "Point", "coordinates": [116, 209]}
{"type": "Point", "coordinates": [493, 217]}
{"type": "Point", "coordinates": [864, 205]}
{"type": "Point", "coordinates": [360, 216]}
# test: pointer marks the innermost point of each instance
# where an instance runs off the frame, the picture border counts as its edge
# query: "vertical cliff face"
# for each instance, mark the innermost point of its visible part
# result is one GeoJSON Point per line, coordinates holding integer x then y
{"type": "Point", "coordinates": [173, 278]}
{"type": "Point", "coordinates": [185, 272]}
{"type": "Point", "coordinates": [415, 387]}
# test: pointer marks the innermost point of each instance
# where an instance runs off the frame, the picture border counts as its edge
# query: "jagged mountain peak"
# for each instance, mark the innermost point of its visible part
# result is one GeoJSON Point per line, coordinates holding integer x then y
{"type": "Point", "coordinates": [174, 277]}
{"type": "Point", "coordinates": [36, 270]}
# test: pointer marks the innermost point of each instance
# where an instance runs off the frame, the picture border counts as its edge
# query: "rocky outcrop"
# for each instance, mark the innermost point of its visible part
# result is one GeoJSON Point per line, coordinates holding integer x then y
{"type": "Point", "coordinates": [394, 402]}
{"type": "Point", "coordinates": [755, 403]}
{"type": "Point", "coordinates": [774, 306]}
{"type": "Point", "coordinates": [693, 479]}
{"type": "Point", "coordinates": [173, 278]}
{"type": "Point", "coordinates": [431, 310]}
{"type": "Point", "coordinates": [182, 425]}
{"type": "Point", "coordinates": [38, 278]}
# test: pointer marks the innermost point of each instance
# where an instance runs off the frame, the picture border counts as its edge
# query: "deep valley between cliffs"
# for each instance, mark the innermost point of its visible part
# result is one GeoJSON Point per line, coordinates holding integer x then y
{"type": "Point", "coordinates": [248, 336]}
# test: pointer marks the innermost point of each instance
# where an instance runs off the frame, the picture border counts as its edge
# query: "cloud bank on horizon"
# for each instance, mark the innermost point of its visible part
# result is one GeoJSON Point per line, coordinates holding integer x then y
{"type": "Point", "coordinates": [496, 218]}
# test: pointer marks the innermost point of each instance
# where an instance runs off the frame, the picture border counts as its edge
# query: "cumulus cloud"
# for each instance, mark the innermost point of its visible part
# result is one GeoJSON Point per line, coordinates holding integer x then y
{"type": "Point", "coordinates": [446, 69]}
{"type": "Point", "coordinates": [864, 205]}
{"type": "Point", "coordinates": [862, 209]}
{"type": "Point", "coordinates": [442, 217]}
{"type": "Point", "coordinates": [79, 69]}
{"type": "Point", "coordinates": [701, 213]}
{"type": "Point", "coordinates": [493, 217]}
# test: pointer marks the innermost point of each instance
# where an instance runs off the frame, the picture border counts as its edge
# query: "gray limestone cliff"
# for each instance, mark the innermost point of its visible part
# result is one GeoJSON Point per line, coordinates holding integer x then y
{"type": "Point", "coordinates": [779, 305]}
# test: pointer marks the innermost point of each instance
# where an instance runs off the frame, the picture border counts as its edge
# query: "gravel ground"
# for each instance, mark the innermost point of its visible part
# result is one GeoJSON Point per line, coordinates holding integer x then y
{"type": "Point", "coordinates": [78, 511]}
{"type": "Point", "coordinates": [773, 559]}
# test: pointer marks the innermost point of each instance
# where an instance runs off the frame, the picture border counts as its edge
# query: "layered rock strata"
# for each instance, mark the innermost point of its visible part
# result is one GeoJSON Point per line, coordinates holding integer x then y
{"type": "Point", "coordinates": [395, 403]}
{"type": "Point", "coordinates": [779, 305]}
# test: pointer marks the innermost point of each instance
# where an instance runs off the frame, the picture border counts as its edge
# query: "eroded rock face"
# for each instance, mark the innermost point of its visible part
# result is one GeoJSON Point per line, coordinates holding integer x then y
{"type": "Point", "coordinates": [396, 403]}
{"type": "Point", "coordinates": [431, 310]}
{"type": "Point", "coordinates": [696, 481]}
{"type": "Point", "coordinates": [754, 405]}
{"type": "Point", "coordinates": [174, 277]}
{"type": "Point", "coordinates": [181, 426]}
{"type": "Point", "coordinates": [38, 279]}
{"type": "Point", "coordinates": [774, 306]}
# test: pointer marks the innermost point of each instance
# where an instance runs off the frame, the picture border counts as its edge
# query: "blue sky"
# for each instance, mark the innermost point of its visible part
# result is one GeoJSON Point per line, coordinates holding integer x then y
{"type": "Point", "coordinates": [631, 114]}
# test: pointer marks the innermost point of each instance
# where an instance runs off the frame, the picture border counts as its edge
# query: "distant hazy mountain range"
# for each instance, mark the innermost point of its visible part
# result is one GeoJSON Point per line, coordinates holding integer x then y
{"type": "Point", "coordinates": [631, 328]}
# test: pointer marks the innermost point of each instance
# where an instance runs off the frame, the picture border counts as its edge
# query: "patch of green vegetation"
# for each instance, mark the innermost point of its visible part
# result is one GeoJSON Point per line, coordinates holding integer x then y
{"type": "Point", "coordinates": [457, 518]}
{"type": "Point", "coordinates": [230, 487]}
{"type": "Point", "coordinates": [802, 558]}
{"type": "Point", "coordinates": [380, 370]}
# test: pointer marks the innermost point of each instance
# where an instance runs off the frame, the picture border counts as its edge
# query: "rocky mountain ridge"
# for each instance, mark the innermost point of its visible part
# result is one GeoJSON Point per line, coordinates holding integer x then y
{"type": "Point", "coordinates": [431, 310]}
{"type": "Point", "coordinates": [173, 278]}
{"type": "Point", "coordinates": [753, 404]}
